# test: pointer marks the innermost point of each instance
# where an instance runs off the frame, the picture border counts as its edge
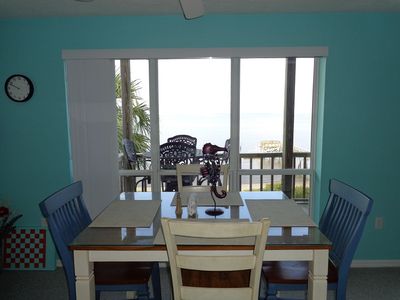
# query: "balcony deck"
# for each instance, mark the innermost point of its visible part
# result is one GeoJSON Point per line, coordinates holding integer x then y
{"type": "Point", "coordinates": [263, 172]}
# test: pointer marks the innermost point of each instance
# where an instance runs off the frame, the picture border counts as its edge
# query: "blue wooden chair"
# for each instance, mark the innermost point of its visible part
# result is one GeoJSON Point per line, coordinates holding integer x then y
{"type": "Point", "coordinates": [67, 216]}
{"type": "Point", "coordinates": [342, 221]}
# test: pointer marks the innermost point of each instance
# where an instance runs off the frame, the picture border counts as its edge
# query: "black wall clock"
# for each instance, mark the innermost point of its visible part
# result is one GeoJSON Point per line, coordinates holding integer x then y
{"type": "Point", "coordinates": [19, 88]}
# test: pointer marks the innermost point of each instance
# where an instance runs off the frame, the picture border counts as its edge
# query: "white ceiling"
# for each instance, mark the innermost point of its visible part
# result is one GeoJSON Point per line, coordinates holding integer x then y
{"type": "Point", "coordinates": [47, 8]}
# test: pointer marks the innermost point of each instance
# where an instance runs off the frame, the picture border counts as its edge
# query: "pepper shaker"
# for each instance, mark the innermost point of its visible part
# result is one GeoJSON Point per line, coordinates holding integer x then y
{"type": "Point", "coordinates": [178, 208]}
{"type": "Point", "coordinates": [192, 206]}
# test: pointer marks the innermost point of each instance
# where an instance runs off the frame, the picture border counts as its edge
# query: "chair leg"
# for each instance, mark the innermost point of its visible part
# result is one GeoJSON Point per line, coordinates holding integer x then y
{"type": "Point", "coordinates": [271, 294]}
{"type": "Point", "coordinates": [340, 294]}
{"type": "Point", "coordinates": [155, 279]}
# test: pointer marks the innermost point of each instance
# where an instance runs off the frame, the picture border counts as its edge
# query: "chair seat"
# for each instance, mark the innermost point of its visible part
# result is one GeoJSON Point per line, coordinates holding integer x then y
{"type": "Point", "coordinates": [293, 272]}
{"type": "Point", "coordinates": [212, 279]}
{"type": "Point", "coordinates": [118, 273]}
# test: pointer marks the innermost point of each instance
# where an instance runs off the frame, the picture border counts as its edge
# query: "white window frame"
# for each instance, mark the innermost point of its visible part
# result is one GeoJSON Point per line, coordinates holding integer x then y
{"type": "Point", "coordinates": [235, 54]}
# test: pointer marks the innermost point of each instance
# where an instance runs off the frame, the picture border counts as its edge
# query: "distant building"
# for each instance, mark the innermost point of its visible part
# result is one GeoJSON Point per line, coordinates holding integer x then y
{"type": "Point", "coordinates": [275, 146]}
{"type": "Point", "coordinates": [270, 146]}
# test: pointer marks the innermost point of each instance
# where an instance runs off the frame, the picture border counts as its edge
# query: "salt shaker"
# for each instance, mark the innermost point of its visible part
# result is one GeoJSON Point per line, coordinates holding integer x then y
{"type": "Point", "coordinates": [192, 206]}
{"type": "Point", "coordinates": [178, 207]}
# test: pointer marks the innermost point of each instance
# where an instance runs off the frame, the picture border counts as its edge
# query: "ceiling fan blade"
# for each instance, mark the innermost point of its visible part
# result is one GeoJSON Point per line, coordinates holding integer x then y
{"type": "Point", "coordinates": [192, 8]}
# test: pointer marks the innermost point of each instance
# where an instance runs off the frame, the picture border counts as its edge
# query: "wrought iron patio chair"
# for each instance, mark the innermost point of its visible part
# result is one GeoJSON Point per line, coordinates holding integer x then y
{"type": "Point", "coordinates": [183, 138]}
{"type": "Point", "coordinates": [135, 162]}
{"type": "Point", "coordinates": [172, 154]}
{"type": "Point", "coordinates": [226, 154]}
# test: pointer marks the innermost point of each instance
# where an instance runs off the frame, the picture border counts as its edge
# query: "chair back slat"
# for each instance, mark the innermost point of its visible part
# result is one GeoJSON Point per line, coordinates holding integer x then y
{"type": "Point", "coordinates": [223, 229]}
{"type": "Point", "coordinates": [343, 221]}
{"type": "Point", "coordinates": [250, 260]}
{"type": "Point", "coordinates": [206, 263]}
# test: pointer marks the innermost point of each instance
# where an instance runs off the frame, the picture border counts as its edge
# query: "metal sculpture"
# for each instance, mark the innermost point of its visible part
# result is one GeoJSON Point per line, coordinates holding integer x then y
{"type": "Point", "coordinates": [211, 172]}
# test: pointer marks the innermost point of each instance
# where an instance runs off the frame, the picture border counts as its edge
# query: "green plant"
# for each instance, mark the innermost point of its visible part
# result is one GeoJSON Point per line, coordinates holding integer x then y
{"type": "Point", "coordinates": [140, 117]}
{"type": "Point", "coordinates": [8, 220]}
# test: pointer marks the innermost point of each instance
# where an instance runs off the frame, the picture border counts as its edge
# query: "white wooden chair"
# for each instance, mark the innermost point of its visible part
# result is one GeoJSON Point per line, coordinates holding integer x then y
{"type": "Point", "coordinates": [194, 169]}
{"type": "Point", "coordinates": [200, 262]}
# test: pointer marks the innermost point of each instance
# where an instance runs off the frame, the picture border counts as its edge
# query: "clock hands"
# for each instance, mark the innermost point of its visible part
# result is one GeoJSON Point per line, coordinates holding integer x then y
{"type": "Point", "coordinates": [12, 84]}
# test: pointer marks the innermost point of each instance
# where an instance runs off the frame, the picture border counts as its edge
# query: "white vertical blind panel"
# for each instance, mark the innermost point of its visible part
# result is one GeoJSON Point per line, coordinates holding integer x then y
{"type": "Point", "coordinates": [92, 125]}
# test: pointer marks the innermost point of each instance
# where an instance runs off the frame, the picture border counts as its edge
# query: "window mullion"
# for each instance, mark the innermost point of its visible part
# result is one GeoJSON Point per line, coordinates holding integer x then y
{"type": "Point", "coordinates": [234, 159]}
{"type": "Point", "coordinates": [155, 128]}
{"type": "Point", "coordinates": [288, 124]}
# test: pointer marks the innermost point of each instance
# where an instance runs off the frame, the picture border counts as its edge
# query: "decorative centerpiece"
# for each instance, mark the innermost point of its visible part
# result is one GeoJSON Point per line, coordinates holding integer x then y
{"type": "Point", "coordinates": [211, 172]}
{"type": "Point", "coordinates": [7, 225]}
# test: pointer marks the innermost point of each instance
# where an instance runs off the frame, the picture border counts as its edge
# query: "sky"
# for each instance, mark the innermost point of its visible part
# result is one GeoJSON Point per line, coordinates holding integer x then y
{"type": "Point", "coordinates": [194, 99]}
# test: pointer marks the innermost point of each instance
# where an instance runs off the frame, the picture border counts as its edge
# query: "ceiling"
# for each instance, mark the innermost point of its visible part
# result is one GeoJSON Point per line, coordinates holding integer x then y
{"type": "Point", "coordinates": [58, 8]}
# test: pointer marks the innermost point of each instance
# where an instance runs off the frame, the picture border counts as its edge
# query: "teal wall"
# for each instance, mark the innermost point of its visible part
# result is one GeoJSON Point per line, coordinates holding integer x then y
{"type": "Point", "coordinates": [358, 143]}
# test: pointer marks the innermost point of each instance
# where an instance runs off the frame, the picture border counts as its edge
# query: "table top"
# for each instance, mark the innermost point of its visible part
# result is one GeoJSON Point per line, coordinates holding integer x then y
{"type": "Point", "coordinates": [121, 238]}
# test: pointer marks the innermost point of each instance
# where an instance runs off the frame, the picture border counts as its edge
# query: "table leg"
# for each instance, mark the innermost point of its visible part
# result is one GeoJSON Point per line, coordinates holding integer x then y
{"type": "Point", "coordinates": [84, 276]}
{"type": "Point", "coordinates": [317, 276]}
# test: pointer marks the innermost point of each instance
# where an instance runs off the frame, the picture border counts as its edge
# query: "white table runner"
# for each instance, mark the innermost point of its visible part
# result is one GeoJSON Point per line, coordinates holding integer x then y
{"type": "Point", "coordinates": [282, 213]}
{"type": "Point", "coordinates": [129, 213]}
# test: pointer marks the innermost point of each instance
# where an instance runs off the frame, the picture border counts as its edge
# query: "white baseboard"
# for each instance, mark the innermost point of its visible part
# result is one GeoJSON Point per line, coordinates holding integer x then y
{"type": "Point", "coordinates": [375, 263]}
{"type": "Point", "coordinates": [59, 263]}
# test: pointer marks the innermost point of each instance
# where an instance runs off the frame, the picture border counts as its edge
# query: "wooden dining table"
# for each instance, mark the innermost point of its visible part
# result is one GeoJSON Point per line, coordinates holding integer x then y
{"type": "Point", "coordinates": [129, 230]}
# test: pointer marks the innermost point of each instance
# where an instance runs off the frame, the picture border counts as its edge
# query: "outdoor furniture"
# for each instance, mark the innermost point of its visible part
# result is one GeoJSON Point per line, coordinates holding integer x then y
{"type": "Point", "coordinates": [135, 162]}
{"type": "Point", "coordinates": [342, 223]}
{"type": "Point", "coordinates": [183, 138]}
{"type": "Point", "coordinates": [226, 154]}
{"type": "Point", "coordinates": [172, 154]}
{"type": "Point", "coordinates": [200, 276]}
{"type": "Point", "coordinates": [67, 217]}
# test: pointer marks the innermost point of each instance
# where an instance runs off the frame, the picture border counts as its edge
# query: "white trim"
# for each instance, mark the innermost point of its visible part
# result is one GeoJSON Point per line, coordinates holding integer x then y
{"type": "Point", "coordinates": [234, 159]}
{"type": "Point", "coordinates": [154, 125]}
{"type": "Point", "coordinates": [379, 263]}
{"type": "Point", "coordinates": [314, 122]}
{"type": "Point", "coordinates": [129, 172]}
{"type": "Point", "coordinates": [275, 172]}
{"type": "Point", "coordinates": [165, 53]}
{"type": "Point", "coordinates": [235, 54]}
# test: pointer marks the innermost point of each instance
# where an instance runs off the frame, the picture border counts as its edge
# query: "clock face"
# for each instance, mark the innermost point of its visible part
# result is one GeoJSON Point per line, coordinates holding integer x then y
{"type": "Point", "coordinates": [19, 88]}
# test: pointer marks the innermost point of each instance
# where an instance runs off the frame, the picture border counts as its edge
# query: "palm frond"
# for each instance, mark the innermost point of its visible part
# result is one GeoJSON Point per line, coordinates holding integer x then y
{"type": "Point", "coordinates": [140, 117]}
